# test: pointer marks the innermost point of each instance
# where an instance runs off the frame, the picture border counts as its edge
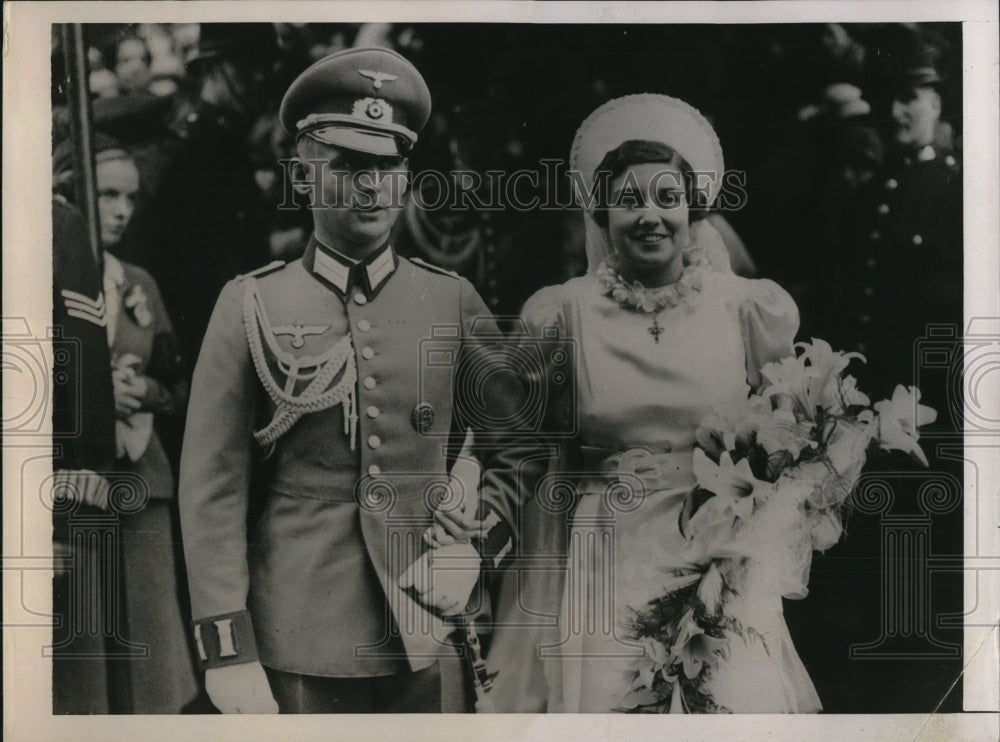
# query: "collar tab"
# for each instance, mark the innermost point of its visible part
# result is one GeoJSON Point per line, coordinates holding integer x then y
{"type": "Point", "coordinates": [343, 274]}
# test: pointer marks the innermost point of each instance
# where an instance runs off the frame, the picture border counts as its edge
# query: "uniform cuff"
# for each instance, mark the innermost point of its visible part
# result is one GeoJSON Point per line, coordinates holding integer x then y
{"type": "Point", "coordinates": [497, 547]}
{"type": "Point", "coordinates": [226, 639]}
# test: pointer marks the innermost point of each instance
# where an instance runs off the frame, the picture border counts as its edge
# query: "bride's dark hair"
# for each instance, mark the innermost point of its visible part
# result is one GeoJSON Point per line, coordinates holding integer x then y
{"type": "Point", "coordinates": [640, 152]}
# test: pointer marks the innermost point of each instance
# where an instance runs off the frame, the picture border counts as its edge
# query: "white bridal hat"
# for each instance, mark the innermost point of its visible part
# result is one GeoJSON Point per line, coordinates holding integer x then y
{"type": "Point", "coordinates": [653, 117]}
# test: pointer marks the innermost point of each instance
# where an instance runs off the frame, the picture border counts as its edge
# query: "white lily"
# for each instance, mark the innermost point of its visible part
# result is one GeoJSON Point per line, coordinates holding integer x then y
{"type": "Point", "coordinates": [898, 421]}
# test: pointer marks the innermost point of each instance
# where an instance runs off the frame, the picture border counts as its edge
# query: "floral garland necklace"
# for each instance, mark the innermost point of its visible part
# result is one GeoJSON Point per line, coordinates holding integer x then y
{"type": "Point", "coordinates": [633, 295]}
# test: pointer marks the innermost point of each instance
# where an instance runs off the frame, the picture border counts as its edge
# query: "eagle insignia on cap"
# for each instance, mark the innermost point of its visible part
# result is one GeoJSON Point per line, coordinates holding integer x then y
{"type": "Point", "coordinates": [378, 78]}
{"type": "Point", "coordinates": [373, 109]}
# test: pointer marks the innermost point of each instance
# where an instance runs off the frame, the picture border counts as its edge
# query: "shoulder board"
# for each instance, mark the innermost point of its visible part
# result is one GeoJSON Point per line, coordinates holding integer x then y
{"type": "Point", "coordinates": [263, 271]}
{"type": "Point", "coordinates": [434, 268]}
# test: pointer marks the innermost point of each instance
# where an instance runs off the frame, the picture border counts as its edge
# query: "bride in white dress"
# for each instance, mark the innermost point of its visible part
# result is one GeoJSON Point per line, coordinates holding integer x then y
{"type": "Point", "coordinates": [661, 332]}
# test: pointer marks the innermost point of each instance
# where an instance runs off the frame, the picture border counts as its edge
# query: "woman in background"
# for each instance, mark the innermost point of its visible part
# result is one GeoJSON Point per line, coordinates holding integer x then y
{"type": "Point", "coordinates": [659, 333]}
{"type": "Point", "coordinates": [149, 383]}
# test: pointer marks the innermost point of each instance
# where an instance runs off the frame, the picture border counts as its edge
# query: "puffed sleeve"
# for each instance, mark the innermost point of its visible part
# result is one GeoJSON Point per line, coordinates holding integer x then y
{"type": "Point", "coordinates": [769, 319]}
{"type": "Point", "coordinates": [545, 323]}
{"type": "Point", "coordinates": [545, 310]}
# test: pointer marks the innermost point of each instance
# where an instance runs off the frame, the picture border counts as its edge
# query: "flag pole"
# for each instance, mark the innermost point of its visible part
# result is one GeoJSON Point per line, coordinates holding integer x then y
{"type": "Point", "coordinates": [82, 129]}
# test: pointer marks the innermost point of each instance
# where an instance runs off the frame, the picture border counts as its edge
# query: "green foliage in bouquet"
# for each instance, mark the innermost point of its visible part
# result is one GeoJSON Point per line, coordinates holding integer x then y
{"type": "Point", "coordinates": [661, 623]}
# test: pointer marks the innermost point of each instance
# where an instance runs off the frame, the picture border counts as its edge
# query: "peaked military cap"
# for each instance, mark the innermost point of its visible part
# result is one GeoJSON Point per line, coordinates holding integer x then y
{"type": "Point", "coordinates": [916, 60]}
{"type": "Point", "coordinates": [367, 99]}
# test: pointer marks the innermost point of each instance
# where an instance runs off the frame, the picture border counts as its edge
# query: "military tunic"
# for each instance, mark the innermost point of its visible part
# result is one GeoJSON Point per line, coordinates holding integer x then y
{"type": "Point", "coordinates": [905, 271]}
{"type": "Point", "coordinates": [322, 359]}
{"type": "Point", "coordinates": [894, 271]}
{"type": "Point", "coordinates": [83, 431]}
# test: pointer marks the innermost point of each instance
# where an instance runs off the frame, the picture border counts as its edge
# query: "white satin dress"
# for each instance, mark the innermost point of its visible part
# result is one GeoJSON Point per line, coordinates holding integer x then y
{"type": "Point", "coordinates": [633, 392]}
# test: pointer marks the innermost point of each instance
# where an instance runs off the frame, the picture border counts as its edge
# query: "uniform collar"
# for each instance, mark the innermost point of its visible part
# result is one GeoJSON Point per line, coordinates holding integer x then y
{"type": "Point", "coordinates": [342, 274]}
{"type": "Point", "coordinates": [924, 154]}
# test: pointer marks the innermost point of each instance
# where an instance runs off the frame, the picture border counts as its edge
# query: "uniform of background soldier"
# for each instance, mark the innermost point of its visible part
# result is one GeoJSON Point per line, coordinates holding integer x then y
{"type": "Point", "coordinates": [83, 428]}
{"type": "Point", "coordinates": [886, 254]}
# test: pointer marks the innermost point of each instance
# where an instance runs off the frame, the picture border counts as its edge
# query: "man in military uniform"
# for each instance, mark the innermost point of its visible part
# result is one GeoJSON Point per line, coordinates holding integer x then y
{"type": "Point", "coordinates": [906, 271]}
{"type": "Point", "coordinates": [310, 409]}
{"type": "Point", "coordinates": [85, 453]}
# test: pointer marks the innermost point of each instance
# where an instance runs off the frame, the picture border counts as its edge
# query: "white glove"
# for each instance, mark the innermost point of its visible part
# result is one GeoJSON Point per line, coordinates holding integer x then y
{"type": "Point", "coordinates": [240, 689]}
{"type": "Point", "coordinates": [444, 577]}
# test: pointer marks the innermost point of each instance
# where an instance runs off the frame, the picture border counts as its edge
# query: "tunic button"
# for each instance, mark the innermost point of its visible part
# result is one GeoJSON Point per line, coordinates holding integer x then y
{"type": "Point", "coordinates": [918, 240]}
{"type": "Point", "coordinates": [874, 235]}
{"type": "Point", "coordinates": [367, 353]}
{"type": "Point", "coordinates": [369, 382]}
{"type": "Point", "coordinates": [374, 441]}
{"type": "Point", "coordinates": [360, 299]}
{"type": "Point", "coordinates": [869, 291]}
{"type": "Point", "coordinates": [883, 208]}
{"type": "Point", "coordinates": [891, 183]}
{"type": "Point", "coordinates": [364, 325]}
{"type": "Point", "coordinates": [374, 470]}
{"type": "Point", "coordinates": [871, 262]}
{"type": "Point", "coordinates": [865, 319]}
{"type": "Point", "coordinates": [372, 411]}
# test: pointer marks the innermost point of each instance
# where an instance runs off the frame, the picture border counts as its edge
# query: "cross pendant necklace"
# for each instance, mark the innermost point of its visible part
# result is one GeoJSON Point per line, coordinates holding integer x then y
{"type": "Point", "coordinates": [656, 330]}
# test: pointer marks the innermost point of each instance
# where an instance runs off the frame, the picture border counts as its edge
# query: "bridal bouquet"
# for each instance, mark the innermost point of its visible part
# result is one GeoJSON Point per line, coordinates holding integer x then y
{"type": "Point", "coordinates": [774, 473]}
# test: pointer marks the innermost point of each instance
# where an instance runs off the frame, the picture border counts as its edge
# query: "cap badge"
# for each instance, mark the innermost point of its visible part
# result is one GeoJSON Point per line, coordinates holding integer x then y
{"type": "Point", "coordinates": [378, 78]}
{"type": "Point", "coordinates": [373, 109]}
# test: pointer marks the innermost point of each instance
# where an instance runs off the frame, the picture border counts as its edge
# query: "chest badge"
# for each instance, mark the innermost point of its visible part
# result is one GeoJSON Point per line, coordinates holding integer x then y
{"type": "Point", "coordinates": [422, 417]}
{"type": "Point", "coordinates": [299, 332]}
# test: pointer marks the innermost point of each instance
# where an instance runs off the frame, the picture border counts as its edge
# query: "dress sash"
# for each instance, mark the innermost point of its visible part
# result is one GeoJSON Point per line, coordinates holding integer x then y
{"type": "Point", "coordinates": [655, 472]}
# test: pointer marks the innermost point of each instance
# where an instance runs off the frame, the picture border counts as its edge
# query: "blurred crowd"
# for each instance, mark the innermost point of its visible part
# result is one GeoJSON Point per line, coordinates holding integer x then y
{"type": "Point", "coordinates": [849, 138]}
{"type": "Point", "coordinates": [806, 111]}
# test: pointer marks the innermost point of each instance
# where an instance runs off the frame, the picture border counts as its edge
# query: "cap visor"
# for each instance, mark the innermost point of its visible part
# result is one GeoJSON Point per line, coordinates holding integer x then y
{"type": "Point", "coordinates": [359, 140]}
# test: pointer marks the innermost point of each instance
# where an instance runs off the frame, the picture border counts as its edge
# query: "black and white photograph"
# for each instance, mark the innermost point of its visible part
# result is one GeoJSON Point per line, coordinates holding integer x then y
{"type": "Point", "coordinates": [501, 363]}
